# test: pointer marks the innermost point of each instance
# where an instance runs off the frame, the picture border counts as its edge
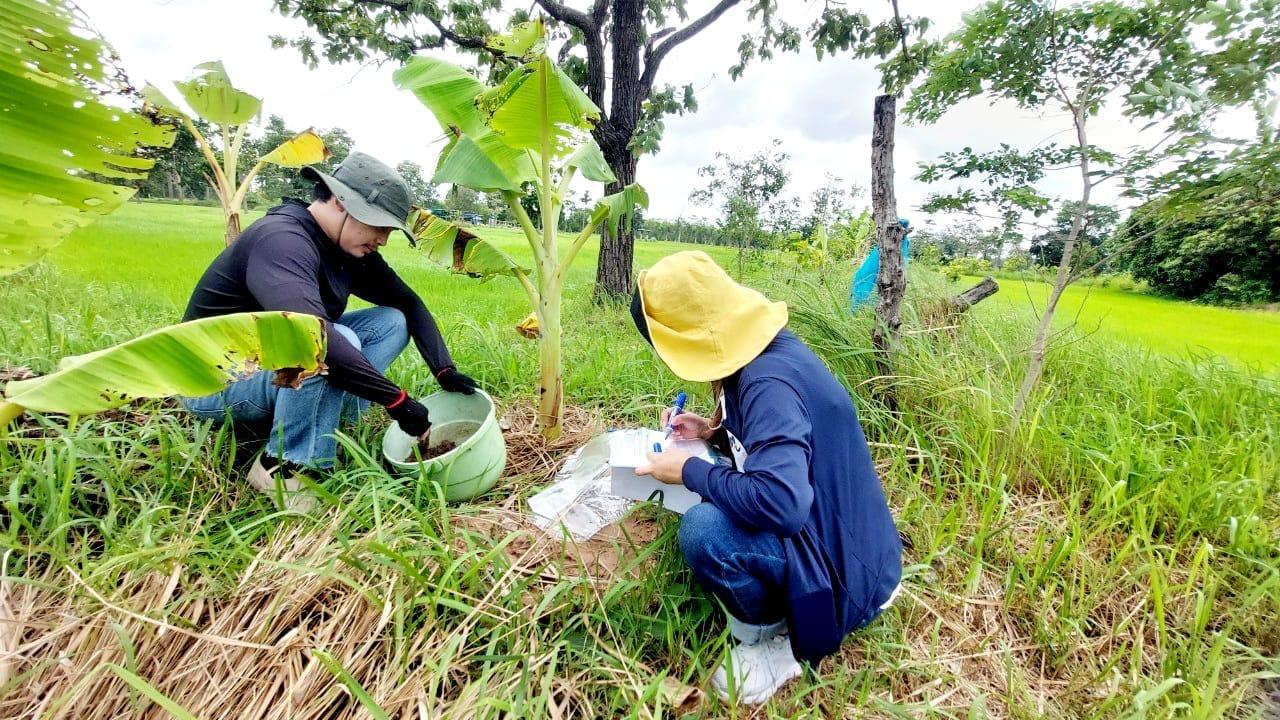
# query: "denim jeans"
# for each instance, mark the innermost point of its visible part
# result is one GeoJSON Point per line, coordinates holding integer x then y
{"type": "Point", "coordinates": [303, 419]}
{"type": "Point", "coordinates": [744, 569]}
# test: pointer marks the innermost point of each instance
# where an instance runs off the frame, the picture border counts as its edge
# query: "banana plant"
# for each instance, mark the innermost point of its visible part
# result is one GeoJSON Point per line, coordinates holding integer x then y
{"type": "Point", "coordinates": [533, 127]}
{"type": "Point", "coordinates": [63, 146]}
{"type": "Point", "coordinates": [192, 359]}
{"type": "Point", "coordinates": [211, 96]}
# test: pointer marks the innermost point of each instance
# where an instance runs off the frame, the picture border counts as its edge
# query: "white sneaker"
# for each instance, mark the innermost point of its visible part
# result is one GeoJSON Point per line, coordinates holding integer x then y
{"type": "Point", "coordinates": [756, 670]}
{"type": "Point", "coordinates": [284, 488]}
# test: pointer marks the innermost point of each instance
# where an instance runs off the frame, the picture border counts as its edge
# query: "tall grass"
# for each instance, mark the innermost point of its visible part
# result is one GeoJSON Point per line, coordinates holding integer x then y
{"type": "Point", "coordinates": [1118, 557]}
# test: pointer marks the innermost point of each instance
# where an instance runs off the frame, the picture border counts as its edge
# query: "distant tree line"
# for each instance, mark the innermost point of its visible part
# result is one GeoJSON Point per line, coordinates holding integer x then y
{"type": "Point", "coordinates": [180, 171]}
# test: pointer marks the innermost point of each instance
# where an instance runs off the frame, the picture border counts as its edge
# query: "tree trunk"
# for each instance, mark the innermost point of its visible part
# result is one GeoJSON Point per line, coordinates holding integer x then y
{"type": "Point", "coordinates": [974, 295]}
{"type": "Point", "coordinates": [613, 271]}
{"type": "Point", "coordinates": [891, 283]}
{"type": "Point", "coordinates": [1040, 345]}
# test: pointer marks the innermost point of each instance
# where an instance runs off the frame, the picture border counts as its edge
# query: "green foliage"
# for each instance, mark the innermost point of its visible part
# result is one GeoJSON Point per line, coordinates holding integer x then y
{"type": "Point", "coordinates": [1224, 258]}
{"type": "Point", "coordinates": [962, 266]}
{"type": "Point", "coordinates": [852, 235]}
{"type": "Point", "coordinates": [524, 138]}
{"type": "Point", "coordinates": [1017, 262]}
{"type": "Point", "coordinates": [838, 30]}
{"type": "Point", "coordinates": [1099, 221]}
{"type": "Point", "coordinates": [749, 192]}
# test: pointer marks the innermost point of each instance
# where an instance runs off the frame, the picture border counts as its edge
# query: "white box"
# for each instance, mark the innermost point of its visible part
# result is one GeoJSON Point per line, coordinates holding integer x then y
{"type": "Point", "coordinates": [627, 449]}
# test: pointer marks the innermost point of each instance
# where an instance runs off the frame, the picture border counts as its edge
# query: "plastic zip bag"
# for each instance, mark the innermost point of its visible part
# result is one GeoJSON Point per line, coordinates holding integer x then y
{"type": "Point", "coordinates": [579, 498]}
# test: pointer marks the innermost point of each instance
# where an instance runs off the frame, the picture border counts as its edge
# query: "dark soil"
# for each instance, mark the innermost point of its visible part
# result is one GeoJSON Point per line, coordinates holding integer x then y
{"type": "Point", "coordinates": [428, 453]}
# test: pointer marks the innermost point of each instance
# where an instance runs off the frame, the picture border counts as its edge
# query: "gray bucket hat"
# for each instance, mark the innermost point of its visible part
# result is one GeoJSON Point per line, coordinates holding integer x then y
{"type": "Point", "coordinates": [373, 193]}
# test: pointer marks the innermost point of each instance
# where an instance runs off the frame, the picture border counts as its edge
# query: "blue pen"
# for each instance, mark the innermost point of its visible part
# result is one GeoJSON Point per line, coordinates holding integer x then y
{"type": "Point", "coordinates": [681, 397]}
{"type": "Point", "coordinates": [657, 447]}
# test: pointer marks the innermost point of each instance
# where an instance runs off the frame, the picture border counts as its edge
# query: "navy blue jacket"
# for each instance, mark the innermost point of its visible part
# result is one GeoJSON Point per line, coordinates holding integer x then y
{"type": "Point", "coordinates": [808, 479]}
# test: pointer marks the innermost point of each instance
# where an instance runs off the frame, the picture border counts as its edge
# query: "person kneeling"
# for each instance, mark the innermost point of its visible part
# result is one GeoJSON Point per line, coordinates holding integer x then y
{"type": "Point", "coordinates": [796, 540]}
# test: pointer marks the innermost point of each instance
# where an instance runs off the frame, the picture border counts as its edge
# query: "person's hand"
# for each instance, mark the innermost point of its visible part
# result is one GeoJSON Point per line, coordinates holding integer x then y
{"type": "Point", "coordinates": [665, 467]}
{"type": "Point", "coordinates": [454, 381]}
{"type": "Point", "coordinates": [412, 417]}
{"type": "Point", "coordinates": [686, 425]}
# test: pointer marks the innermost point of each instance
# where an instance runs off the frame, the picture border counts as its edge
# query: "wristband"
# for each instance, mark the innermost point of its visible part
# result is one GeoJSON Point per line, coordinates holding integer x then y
{"type": "Point", "coordinates": [398, 401]}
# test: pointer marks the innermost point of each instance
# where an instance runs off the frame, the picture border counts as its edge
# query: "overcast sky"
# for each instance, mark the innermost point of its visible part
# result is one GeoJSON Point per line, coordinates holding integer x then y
{"type": "Point", "coordinates": [820, 110]}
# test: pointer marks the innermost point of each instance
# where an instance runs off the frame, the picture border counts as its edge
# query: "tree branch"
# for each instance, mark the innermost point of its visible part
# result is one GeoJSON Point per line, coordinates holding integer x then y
{"type": "Point", "coordinates": [566, 14]}
{"type": "Point", "coordinates": [459, 40]}
{"type": "Point", "coordinates": [653, 58]}
{"type": "Point", "coordinates": [902, 31]}
{"type": "Point", "coordinates": [402, 6]}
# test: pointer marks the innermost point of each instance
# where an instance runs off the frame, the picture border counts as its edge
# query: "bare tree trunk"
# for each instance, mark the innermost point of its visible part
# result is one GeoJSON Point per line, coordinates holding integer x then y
{"type": "Point", "coordinates": [974, 295]}
{"type": "Point", "coordinates": [613, 270]}
{"type": "Point", "coordinates": [1039, 346]}
{"type": "Point", "coordinates": [891, 283]}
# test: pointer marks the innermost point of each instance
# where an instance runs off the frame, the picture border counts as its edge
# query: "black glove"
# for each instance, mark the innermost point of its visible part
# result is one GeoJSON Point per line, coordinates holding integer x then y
{"type": "Point", "coordinates": [454, 381]}
{"type": "Point", "coordinates": [411, 416]}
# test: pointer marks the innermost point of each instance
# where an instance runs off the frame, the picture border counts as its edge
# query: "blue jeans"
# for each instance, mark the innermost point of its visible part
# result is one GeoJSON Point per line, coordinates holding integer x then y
{"type": "Point", "coordinates": [742, 568]}
{"type": "Point", "coordinates": [303, 419]}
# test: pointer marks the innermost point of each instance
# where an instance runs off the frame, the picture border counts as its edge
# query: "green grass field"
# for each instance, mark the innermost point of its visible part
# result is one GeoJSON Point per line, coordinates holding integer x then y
{"type": "Point", "coordinates": [1251, 337]}
{"type": "Point", "coordinates": [1117, 555]}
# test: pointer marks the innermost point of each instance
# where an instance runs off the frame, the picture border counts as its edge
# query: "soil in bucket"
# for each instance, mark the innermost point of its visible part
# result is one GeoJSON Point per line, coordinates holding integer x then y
{"type": "Point", "coordinates": [444, 438]}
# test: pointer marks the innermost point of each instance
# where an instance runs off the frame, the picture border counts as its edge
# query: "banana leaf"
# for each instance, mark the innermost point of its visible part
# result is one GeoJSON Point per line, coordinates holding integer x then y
{"type": "Point", "coordinates": [64, 137]}
{"type": "Point", "coordinates": [459, 249]}
{"type": "Point", "coordinates": [485, 163]}
{"type": "Point", "coordinates": [305, 148]}
{"type": "Point", "coordinates": [538, 101]}
{"type": "Point", "coordinates": [620, 207]}
{"type": "Point", "coordinates": [191, 359]}
{"type": "Point", "coordinates": [591, 163]}
{"type": "Point", "coordinates": [447, 90]}
{"type": "Point", "coordinates": [211, 95]}
{"type": "Point", "coordinates": [474, 157]}
{"type": "Point", "coordinates": [525, 41]}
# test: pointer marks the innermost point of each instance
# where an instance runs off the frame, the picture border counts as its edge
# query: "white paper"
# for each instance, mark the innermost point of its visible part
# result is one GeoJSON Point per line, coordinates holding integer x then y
{"type": "Point", "coordinates": [627, 451]}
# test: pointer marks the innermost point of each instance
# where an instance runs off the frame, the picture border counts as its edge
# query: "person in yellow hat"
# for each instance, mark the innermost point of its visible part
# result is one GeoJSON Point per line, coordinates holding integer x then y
{"type": "Point", "coordinates": [796, 539]}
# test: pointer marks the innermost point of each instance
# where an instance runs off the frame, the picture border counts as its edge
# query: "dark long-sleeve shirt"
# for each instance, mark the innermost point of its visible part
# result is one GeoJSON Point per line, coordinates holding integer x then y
{"type": "Point", "coordinates": [284, 261]}
{"type": "Point", "coordinates": [809, 479]}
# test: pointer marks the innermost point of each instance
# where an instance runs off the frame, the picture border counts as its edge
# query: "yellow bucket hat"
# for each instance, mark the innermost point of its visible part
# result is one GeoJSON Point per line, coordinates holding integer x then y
{"type": "Point", "coordinates": [704, 325]}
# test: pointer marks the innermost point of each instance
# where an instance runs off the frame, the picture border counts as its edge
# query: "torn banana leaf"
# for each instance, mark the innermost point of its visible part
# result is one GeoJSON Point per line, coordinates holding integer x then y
{"type": "Point", "coordinates": [190, 359]}
{"type": "Point", "coordinates": [459, 249]}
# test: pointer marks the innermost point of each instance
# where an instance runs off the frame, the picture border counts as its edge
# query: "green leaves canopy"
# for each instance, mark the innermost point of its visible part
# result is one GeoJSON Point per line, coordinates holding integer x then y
{"type": "Point", "coordinates": [191, 359]}
{"type": "Point", "coordinates": [475, 157]}
{"type": "Point", "coordinates": [60, 138]}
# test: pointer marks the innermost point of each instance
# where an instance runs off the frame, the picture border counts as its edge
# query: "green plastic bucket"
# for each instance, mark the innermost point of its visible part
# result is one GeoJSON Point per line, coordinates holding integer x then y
{"type": "Point", "coordinates": [474, 465]}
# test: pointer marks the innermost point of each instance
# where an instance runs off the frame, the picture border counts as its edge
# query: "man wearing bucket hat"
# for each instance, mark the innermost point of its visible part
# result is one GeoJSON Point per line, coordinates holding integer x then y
{"type": "Point", "coordinates": [311, 258]}
{"type": "Point", "coordinates": [796, 539]}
